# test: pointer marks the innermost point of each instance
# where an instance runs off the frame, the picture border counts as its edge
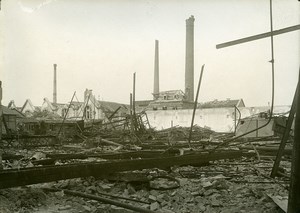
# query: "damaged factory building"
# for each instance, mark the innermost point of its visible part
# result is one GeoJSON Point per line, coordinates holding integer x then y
{"type": "Point", "coordinates": [169, 153]}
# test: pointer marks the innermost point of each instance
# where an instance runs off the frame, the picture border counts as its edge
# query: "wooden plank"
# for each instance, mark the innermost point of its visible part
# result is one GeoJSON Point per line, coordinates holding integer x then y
{"type": "Point", "coordinates": [259, 36]}
{"type": "Point", "coordinates": [294, 192]}
{"type": "Point", "coordinates": [27, 176]}
{"type": "Point", "coordinates": [195, 106]}
{"type": "Point", "coordinates": [282, 202]}
{"type": "Point", "coordinates": [285, 136]}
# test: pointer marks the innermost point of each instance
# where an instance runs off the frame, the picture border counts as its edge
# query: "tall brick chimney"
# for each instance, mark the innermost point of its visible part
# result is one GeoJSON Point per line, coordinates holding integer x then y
{"type": "Point", "coordinates": [54, 85]}
{"type": "Point", "coordinates": [189, 59]}
{"type": "Point", "coordinates": [156, 71]}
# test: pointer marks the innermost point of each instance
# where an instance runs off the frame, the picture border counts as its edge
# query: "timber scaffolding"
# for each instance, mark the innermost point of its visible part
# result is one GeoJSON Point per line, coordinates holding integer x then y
{"type": "Point", "coordinates": [136, 124]}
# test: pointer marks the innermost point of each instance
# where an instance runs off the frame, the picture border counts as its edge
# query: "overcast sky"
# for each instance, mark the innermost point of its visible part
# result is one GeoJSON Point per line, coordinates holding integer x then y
{"type": "Point", "coordinates": [100, 44]}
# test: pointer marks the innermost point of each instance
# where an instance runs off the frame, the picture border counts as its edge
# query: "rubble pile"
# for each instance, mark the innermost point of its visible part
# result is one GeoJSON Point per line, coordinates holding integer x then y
{"type": "Point", "coordinates": [178, 133]}
{"type": "Point", "coordinates": [241, 184]}
{"type": "Point", "coordinates": [223, 186]}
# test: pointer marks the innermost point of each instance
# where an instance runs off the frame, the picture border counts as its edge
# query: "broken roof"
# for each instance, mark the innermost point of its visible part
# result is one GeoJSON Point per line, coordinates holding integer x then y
{"type": "Point", "coordinates": [112, 106]}
{"type": "Point", "coordinates": [29, 103]}
{"type": "Point", "coordinates": [143, 102]}
{"type": "Point", "coordinates": [223, 103]}
{"type": "Point", "coordinates": [172, 92]}
{"type": "Point", "coordinates": [7, 111]}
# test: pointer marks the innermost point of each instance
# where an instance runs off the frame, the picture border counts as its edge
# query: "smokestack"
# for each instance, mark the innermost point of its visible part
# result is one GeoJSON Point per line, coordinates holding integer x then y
{"type": "Point", "coordinates": [189, 59]}
{"type": "Point", "coordinates": [54, 86]}
{"type": "Point", "coordinates": [156, 71]}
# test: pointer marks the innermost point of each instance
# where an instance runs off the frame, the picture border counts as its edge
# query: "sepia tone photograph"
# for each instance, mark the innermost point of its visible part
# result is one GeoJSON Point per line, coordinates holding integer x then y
{"type": "Point", "coordinates": [149, 106]}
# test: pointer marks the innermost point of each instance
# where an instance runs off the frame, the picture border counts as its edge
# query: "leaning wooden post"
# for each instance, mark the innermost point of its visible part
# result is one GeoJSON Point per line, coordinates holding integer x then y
{"type": "Point", "coordinates": [285, 136]}
{"type": "Point", "coordinates": [195, 106]}
{"type": "Point", "coordinates": [294, 192]}
{"type": "Point", "coordinates": [66, 115]}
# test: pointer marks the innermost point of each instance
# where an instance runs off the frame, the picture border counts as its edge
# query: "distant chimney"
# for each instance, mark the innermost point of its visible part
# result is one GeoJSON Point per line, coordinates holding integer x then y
{"type": "Point", "coordinates": [189, 59]}
{"type": "Point", "coordinates": [156, 71]}
{"type": "Point", "coordinates": [54, 86]}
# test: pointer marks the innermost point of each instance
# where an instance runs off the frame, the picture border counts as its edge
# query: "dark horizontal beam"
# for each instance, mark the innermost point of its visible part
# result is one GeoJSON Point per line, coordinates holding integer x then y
{"type": "Point", "coordinates": [26, 176]}
{"type": "Point", "coordinates": [259, 36]}
{"type": "Point", "coordinates": [51, 158]}
{"type": "Point", "coordinates": [7, 137]}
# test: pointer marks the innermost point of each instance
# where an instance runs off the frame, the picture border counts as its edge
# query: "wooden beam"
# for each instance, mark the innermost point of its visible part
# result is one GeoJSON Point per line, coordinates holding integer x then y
{"type": "Point", "coordinates": [104, 200]}
{"type": "Point", "coordinates": [195, 106]}
{"type": "Point", "coordinates": [294, 192]}
{"type": "Point", "coordinates": [285, 136]}
{"type": "Point", "coordinates": [26, 176]}
{"type": "Point", "coordinates": [257, 37]}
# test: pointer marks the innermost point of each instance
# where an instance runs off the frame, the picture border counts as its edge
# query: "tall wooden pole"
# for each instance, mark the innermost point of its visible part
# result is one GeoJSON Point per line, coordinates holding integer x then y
{"type": "Point", "coordinates": [133, 95]}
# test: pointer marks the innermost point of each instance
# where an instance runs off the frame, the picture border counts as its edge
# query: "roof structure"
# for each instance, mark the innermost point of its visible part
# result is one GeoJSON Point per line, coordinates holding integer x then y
{"type": "Point", "coordinates": [143, 102]}
{"type": "Point", "coordinates": [12, 105]}
{"type": "Point", "coordinates": [173, 91]}
{"type": "Point", "coordinates": [28, 103]}
{"type": "Point", "coordinates": [7, 111]}
{"type": "Point", "coordinates": [223, 103]}
{"type": "Point", "coordinates": [112, 106]}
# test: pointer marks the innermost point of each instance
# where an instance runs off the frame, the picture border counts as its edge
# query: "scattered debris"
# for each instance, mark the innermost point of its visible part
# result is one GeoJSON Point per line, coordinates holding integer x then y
{"type": "Point", "coordinates": [158, 172]}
